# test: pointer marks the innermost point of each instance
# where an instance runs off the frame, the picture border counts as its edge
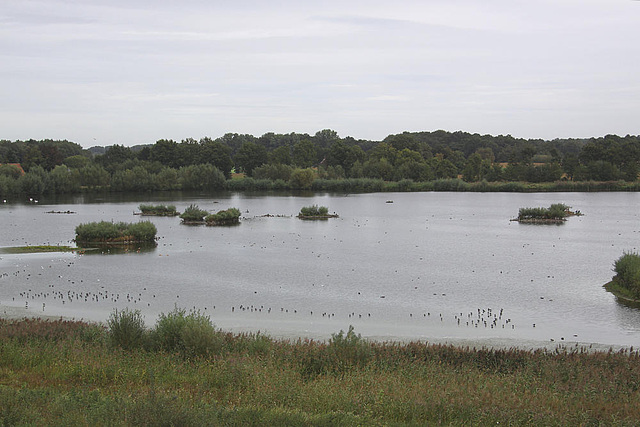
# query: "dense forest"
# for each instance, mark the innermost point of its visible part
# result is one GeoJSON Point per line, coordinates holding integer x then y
{"type": "Point", "coordinates": [322, 161]}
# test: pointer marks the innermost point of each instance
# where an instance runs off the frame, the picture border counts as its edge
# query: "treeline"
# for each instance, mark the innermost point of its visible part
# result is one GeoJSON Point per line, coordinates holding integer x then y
{"type": "Point", "coordinates": [292, 161]}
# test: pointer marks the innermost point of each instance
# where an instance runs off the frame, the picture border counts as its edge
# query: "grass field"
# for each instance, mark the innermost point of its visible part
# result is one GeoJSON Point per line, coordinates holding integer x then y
{"type": "Point", "coordinates": [70, 373]}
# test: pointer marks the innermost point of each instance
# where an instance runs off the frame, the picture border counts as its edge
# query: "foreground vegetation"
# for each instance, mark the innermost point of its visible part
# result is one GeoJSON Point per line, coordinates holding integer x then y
{"type": "Point", "coordinates": [626, 282]}
{"type": "Point", "coordinates": [116, 232]}
{"type": "Point", "coordinates": [186, 372]}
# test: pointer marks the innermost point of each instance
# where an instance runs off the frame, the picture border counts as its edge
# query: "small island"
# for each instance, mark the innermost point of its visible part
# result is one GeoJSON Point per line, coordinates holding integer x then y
{"type": "Point", "coordinates": [157, 210]}
{"type": "Point", "coordinates": [315, 212]}
{"type": "Point", "coordinates": [193, 215]}
{"type": "Point", "coordinates": [557, 213]}
{"type": "Point", "coordinates": [626, 283]}
{"type": "Point", "coordinates": [118, 233]}
{"type": "Point", "coordinates": [229, 216]}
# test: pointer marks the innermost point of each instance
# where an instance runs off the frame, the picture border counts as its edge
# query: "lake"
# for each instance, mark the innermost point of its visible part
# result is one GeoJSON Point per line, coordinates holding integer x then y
{"type": "Point", "coordinates": [440, 267]}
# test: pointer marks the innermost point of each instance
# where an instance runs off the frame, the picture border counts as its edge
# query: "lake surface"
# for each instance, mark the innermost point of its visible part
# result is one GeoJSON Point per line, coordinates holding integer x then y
{"type": "Point", "coordinates": [429, 266]}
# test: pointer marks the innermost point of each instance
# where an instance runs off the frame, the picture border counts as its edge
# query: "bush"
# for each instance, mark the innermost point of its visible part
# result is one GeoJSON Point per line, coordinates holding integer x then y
{"type": "Point", "coordinates": [193, 213]}
{"type": "Point", "coordinates": [191, 334]}
{"type": "Point", "coordinates": [126, 329]}
{"type": "Point", "coordinates": [349, 350]}
{"type": "Point", "coordinates": [120, 232]}
{"type": "Point", "coordinates": [314, 210]}
{"type": "Point", "coordinates": [224, 217]}
{"type": "Point", "coordinates": [166, 210]}
{"type": "Point", "coordinates": [627, 269]}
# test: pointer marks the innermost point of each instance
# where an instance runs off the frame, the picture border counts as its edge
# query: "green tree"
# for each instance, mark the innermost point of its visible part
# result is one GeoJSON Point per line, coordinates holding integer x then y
{"type": "Point", "coordinates": [304, 154]}
{"type": "Point", "coordinates": [302, 178]}
{"type": "Point", "coordinates": [280, 155]}
{"type": "Point", "coordinates": [202, 177]}
{"type": "Point", "coordinates": [218, 154]}
{"type": "Point", "coordinates": [250, 156]}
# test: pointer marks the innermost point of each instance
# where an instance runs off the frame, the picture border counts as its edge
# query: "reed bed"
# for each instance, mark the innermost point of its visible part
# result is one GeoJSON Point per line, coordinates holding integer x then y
{"type": "Point", "coordinates": [72, 373]}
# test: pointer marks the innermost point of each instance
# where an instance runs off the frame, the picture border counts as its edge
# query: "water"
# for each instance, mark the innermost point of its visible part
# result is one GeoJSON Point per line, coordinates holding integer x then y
{"type": "Point", "coordinates": [429, 266]}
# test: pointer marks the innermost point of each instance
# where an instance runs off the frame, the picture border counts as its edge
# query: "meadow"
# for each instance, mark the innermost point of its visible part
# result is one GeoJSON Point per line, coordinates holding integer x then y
{"type": "Point", "coordinates": [186, 372]}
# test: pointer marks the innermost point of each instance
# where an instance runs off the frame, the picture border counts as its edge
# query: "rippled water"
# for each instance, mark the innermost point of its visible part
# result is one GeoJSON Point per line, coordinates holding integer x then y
{"type": "Point", "coordinates": [429, 266]}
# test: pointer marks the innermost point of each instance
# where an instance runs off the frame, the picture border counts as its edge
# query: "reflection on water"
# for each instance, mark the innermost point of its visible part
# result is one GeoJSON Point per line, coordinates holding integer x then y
{"type": "Point", "coordinates": [429, 266]}
{"type": "Point", "coordinates": [117, 249]}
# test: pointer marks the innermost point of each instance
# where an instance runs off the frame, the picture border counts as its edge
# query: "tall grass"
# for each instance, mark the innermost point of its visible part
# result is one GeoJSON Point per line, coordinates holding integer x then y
{"type": "Point", "coordinates": [54, 378]}
{"type": "Point", "coordinates": [160, 210]}
{"type": "Point", "coordinates": [110, 232]}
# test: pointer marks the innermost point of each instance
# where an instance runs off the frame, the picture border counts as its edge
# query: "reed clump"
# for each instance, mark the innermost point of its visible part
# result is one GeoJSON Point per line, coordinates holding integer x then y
{"type": "Point", "coordinates": [158, 210]}
{"type": "Point", "coordinates": [116, 232]}
{"type": "Point", "coordinates": [51, 377]}
{"type": "Point", "coordinates": [315, 211]}
{"type": "Point", "coordinates": [193, 214]}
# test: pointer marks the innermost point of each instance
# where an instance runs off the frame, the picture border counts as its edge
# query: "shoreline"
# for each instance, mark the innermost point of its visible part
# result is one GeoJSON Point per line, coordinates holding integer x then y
{"type": "Point", "coordinates": [470, 344]}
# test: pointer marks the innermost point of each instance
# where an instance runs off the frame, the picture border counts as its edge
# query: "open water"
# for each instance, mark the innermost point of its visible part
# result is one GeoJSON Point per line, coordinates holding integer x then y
{"type": "Point", "coordinates": [429, 266]}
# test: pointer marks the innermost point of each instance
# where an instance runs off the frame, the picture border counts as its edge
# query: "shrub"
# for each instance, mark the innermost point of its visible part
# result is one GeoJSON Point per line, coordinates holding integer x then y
{"type": "Point", "coordinates": [166, 210]}
{"type": "Point", "coordinates": [224, 217]}
{"type": "Point", "coordinates": [191, 334]}
{"type": "Point", "coordinates": [556, 211]}
{"type": "Point", "coordinates": [193, 213]}
{"type": "Point", "coordinates": [110, 232]}
{"type": "Point", "coordinates": [314, 210]}
{"type": "Point", "coordinates": [349, 349]}
{"type": "Point", "coordinates": [627, 269]}
{"type": "Point", "coordinates": [126, 329]}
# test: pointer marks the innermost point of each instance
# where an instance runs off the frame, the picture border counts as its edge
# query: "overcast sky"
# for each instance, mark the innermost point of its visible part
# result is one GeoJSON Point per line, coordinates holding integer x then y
{"type": "Point", "coordinates": [103, 72]}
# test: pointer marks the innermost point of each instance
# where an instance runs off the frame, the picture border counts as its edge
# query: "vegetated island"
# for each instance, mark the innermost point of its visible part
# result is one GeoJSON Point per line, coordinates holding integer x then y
{"type": "Point", "coordinates": [118, 233]}
{"type": "Point", "coordinates": [626, 283]}
{"type": "Point", "coordinates": [193, 215]}
{"type": "Point", "coordinates": [157, 210]}
{"type": "Point", "coordinates": [315, 212]}
{"type": "Point", "coordinates": [557, 213]}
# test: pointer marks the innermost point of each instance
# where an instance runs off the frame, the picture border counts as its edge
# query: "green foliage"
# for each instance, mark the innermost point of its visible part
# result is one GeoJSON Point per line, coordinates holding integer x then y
{"type": "Point", "coordinates": [557, 211]}
{"type": "Point", "coordinates": [52, 376]}
{"type": "Point", "coordinates": [350, 349]}
{"type": "Point", "coordinates": [126, 329]}
{"type": "Point", "coordinates": [627, 269]}
{"type": "Point", "coordinates": [228, 216]}
{"type": "Point", "coordinates": [314, 210]}
{"type": "Point", "coordinates": [302, 179]}
{"type": "Point", "coordinates": [190, 334]}
{"type": "Point", "coordinates": [109, 232]}
{"type": "Point", "coordinates": [193, 213]}
{"type": "Point", "coordinates": [161, 210]}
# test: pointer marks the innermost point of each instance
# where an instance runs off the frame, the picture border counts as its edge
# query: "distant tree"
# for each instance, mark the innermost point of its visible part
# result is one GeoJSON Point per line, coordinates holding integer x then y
{"type": "Point", "coordinates": [280, 155]}
{"type": "Point", "coordinates": [165, 151]}
{"type": "Point", "coordinates": [218, 154]}
{"type": "Point", "coordinates": [250, 156]}
{"type": "Point", "coordinates": [77, 161]}
{"type": "Point", "coordinates": [302, 178]}
{"type": "Point", "coordinates": [471, 171]}
{"type": "Point", "coordinates": [202, 177]}
{"type": "Point", "coordinates": [304, 154]}
{"type": "Point", "coordinates": [273, 172]}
